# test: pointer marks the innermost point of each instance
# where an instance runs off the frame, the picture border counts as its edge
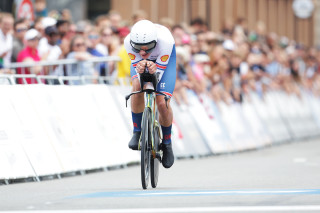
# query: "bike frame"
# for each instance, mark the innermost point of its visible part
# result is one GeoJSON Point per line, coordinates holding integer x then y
{"type": "Point", "coordinates": [149, 124]}
{"type": "Point", "coordinates": [150, 102]}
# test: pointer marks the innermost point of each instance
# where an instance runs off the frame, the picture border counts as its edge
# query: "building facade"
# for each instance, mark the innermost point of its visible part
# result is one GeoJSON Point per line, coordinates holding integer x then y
{"type": "Point", "coordinates": [278, 15]}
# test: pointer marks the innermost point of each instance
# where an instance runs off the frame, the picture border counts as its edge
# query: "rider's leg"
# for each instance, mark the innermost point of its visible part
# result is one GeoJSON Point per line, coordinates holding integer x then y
{"type": "Point", "coordinates": [165, 118]}
{"type": "Point", "coordinates": [137, 107]}
{"type": "Point", "coordinates": [166, 85]}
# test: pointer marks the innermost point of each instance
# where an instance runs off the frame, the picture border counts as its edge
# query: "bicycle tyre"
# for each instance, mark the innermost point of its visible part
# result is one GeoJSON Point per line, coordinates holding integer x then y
{"type": "Point", "coordinates": [145, 151]}
{"type": "Point", "coordinates": [154, 167]}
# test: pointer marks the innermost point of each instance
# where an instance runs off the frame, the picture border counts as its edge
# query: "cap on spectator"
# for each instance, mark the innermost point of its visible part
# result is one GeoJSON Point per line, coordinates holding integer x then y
{"type": "Point", "coordinates": [123, 31]}
{"type": "Point", "coordinates": [48, 21]}
{"type": "Point", "coordinates": [51, 30]}
{"type": "Point", "coordinates": [31, 34]}
{"type": "Point", "coordinates": [228, 45]}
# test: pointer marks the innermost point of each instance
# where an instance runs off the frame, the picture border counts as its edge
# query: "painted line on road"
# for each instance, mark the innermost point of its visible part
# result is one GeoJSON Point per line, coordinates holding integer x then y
{"type": "Point", "coordinates": [196, 193]}
{"type": "Point", "coordinates": [185, 209]}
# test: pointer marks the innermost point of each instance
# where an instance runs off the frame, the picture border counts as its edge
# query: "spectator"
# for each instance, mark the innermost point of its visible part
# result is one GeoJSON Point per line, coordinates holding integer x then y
{"type": "Point", "coordinates": [95, 48]}
{"type": "Point", "coordinates": [139, 15]}
{"type": "Point", "coordinates": [63, 42]}
{"type": "Point", "coordinates": [79, 52]}
{"type": "Point", "coordinates": [6, 39]}
{"type": "Point", "coordinates": [30, 54]}
{"type": "Point", "coordinates": [123, 66]}
{"type": "Point", "coordinates": [182, 81]}
{"type": "Point", "coordinates": [20, 29]}
{"type": "Point", "coordinates": [111, 42]}
{"type": "Point", "coordinates": [48, 48]}
{"type": "Point", "coordinates": [241, 61]}
{"type": "Point", "coordinates": [39, 25]}
{"type": "Point", "coordinates": [167, 22]}
{"type": "Point", "coordinates": [94, 45]}
{"type": "Point", "coordinates": [115, 21]}
{"type": "Point", "coordinates": [102, 22]}
{"type": "Point", "coordinates": [198, 25]}
{"type": "Point", "coordinates": [41, 8]}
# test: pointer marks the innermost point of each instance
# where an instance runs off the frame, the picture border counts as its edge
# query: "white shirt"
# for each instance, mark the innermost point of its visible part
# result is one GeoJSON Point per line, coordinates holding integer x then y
{"type": "Point", "coordinates": [6, 43]}
{"type": "Point", "coordinates": [102, 49]}
{"type": "Point", "coordinates": [45, 48]}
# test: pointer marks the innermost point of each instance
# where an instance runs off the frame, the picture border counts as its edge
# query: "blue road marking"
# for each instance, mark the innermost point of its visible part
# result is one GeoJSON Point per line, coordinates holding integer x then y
{"type": "Point", "coordinates": [161, 193]}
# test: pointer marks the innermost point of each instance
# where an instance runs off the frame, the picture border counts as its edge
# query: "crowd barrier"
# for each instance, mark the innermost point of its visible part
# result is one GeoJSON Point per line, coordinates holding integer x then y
{"type": "Point", "coordinates": [52, 130]}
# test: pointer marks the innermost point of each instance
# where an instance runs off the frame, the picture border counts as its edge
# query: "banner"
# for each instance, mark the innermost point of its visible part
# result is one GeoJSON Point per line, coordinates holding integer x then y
{"type": "Point", "coordinates": [50, 130]}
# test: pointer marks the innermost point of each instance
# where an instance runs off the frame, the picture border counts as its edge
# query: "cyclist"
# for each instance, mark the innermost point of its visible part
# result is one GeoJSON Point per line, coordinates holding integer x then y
{"type": "Point", "coordinates": [152, 46]}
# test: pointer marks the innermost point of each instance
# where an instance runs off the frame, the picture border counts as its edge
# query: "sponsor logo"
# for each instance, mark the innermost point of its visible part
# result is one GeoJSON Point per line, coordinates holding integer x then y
{"type": "Point", "coordinates": [164, 58]}
{"type": "Point", "coordinates": [167, 137]}
{"type": "Point", "coordinates": [131, 56]}
{"type": "Point", "coordinates": [162, 85]}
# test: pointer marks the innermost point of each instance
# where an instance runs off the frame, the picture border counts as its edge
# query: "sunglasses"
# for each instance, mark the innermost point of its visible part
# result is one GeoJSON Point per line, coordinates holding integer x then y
{"type": "Point", "coordinates": [93, 37]}
{"type": "Point", "coordinates": [79, 44]}
{"type": "Point", "coordinates": [147, 47]}
{"type": "Point", "coordinates": [34, 39]}
{"type": "Point", "coordinates": [106, 34]}
{"type": "Point", "coordinates": [21, 30]}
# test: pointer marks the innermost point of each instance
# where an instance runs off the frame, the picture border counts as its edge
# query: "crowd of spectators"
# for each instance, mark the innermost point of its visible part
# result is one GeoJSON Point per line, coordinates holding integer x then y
{"type": "Point", "coordinates": [224, 65]}
{"type": "Point", "coordinates": [54, 35]}
{"type": "Point", "coordinates": [229, 64]}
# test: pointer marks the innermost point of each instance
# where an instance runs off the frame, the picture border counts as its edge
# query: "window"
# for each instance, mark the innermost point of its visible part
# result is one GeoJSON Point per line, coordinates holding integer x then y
{"type": "Point", "coordinates": [98, 7]}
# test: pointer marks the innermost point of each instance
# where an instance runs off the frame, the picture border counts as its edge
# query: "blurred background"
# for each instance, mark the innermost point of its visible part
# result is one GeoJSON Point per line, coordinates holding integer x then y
{"type": "Point", "coordinates": [279, 16]}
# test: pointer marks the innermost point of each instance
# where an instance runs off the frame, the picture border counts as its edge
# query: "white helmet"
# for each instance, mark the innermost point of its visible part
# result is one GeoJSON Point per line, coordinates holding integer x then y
{"type": "Point", "coordinates": [143, 33]}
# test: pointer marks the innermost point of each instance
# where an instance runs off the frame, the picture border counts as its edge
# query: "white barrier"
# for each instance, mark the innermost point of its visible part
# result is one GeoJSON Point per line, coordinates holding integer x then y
{"type": "Point", "coordinates": [49, 130]}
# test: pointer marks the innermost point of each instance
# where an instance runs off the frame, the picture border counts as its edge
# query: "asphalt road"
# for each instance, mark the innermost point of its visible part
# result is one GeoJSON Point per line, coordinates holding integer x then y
{"type": "Point", "coordinates": [282, 178]}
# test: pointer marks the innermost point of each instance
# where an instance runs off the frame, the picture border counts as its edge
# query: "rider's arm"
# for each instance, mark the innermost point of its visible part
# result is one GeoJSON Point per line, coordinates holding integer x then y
{"type": "Point", "coordinates": [135, 58]}
{"type": "Point", "coordinates": [166, 45]}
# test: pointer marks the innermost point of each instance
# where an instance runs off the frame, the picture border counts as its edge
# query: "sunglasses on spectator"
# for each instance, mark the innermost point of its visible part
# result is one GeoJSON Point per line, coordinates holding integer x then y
{"type": "Point", "coordinates": [79, 45]}
{"type": "Point", "coordinates": [93, 37]}
{"type": "Point", "coordinates": [21, 30]}
{"type": "Point", "coordinates": [147, 47]}
{"type": "Point", "coordinates": [106, 34]}
{"type": "Point", "coordinates": [53, 34]}
{"type": "Point", "coordinates": [34, 39]}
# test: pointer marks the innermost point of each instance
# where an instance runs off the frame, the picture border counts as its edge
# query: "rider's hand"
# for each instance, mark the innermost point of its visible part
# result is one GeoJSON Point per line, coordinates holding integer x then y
{"type": "Point", "coordinates": [141, 66]}
{"type": "Point", "coordinates": [152, 67]}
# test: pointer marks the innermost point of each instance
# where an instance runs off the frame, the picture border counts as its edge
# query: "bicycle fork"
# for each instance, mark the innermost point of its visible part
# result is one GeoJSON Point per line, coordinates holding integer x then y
{"type": "Point", "coordinates": [153, 125]}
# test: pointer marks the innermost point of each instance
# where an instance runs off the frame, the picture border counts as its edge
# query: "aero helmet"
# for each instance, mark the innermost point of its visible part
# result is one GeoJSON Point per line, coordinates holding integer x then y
{"type": "Point", "coordinates": [143, 33]}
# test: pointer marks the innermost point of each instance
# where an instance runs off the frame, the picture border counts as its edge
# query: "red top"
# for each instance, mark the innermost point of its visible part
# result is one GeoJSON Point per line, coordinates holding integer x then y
{"type": "Point", "coordinates": [23, 54]}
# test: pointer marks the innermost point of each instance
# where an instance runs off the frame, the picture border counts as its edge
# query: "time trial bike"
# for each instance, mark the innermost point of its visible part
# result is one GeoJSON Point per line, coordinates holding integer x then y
{"type": "Point", "coordinates": [151, 134]}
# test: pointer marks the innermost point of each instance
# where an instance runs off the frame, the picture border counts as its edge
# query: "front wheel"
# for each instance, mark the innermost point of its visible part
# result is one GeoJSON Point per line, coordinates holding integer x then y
{"type": "Point", "coordinates": [145, 150]}
{"type": "Point", "coordinates": [155, 161]}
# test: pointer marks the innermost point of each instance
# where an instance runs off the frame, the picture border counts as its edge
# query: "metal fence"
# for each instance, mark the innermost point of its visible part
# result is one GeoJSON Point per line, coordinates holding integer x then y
{"type": "Point", "coordinates": [60, 72]}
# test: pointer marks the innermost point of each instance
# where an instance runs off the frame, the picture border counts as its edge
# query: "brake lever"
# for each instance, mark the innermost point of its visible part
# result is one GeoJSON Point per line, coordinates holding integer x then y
{"type": "Point", "coordinates": [127, 98]}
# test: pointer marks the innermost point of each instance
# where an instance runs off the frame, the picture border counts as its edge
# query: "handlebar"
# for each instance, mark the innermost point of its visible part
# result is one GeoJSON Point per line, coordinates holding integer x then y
{"type": "Point", "coordinates": [152, 78]}
{"type": "Point", "coordinates": [166, 97]}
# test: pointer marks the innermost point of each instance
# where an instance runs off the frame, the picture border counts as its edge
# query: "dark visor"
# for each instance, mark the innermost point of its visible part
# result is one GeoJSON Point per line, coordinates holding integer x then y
{"type": "Point", "coordinates": [137, 47]}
